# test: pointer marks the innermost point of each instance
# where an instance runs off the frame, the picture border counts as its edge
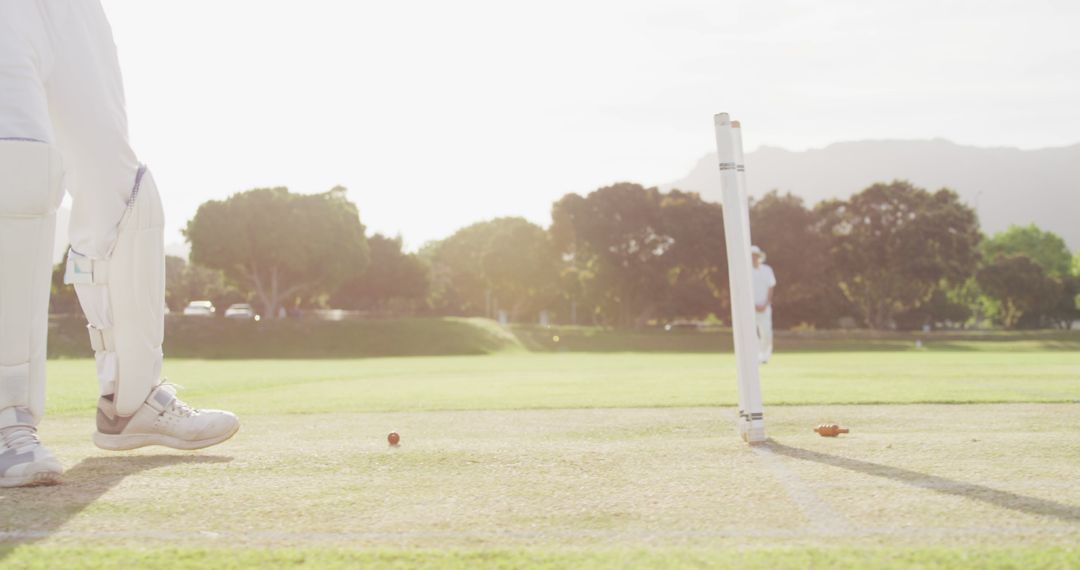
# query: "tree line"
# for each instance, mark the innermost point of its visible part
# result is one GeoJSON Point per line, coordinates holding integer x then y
{"type": "Point", "coordinates": [890, 256]}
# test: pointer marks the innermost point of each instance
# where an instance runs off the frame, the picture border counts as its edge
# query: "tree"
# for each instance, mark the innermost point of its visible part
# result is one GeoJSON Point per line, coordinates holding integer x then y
{"type": "Point", "coordinates": [62, 297]}
{"type": "Point", "coordinates": [639, 254]}
{"type": "Point", "coordinates": [805, 291]}
{"type": "Point", "coordinates": [1048, 251]}
{"type": "Point", "coordinates": [946, 305]}
{"type": "Point", "coordinates": [505, 262]}
{"type": "Point", "coordinates": [280, 245]}
{"type": "Point", "coordinates": [1020, 285]}
{"type": "Point", "coordinates": [520, 266]}
{"type": "Point", "coordinates": [1044, 248]}
{"type": "Point", "coordinates": [1066, 307]}
{"type": "Point", "coordinates": [175, 296]}
{"type": "Point", "coordinates": [391, 275]}
{"type": "Point", "coordinates": [893, 245]}
{"type": "Point", "coordinates": [616, 235]}
{"type": "Point", "coordinates": [696, 261]}
{"type": "Point", "coordinates": [1076, 276]}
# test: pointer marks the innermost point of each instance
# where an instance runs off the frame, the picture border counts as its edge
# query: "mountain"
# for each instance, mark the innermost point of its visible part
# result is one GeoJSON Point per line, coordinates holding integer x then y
{"type": "Point", "coordinates": [1005, 185]}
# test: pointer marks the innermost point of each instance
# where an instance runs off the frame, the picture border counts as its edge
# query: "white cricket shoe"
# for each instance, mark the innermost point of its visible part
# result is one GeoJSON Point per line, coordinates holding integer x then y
{"type": "Point", "coordinates": [24, 462]}
{"type": "Point", "coordinates": [162, 420]}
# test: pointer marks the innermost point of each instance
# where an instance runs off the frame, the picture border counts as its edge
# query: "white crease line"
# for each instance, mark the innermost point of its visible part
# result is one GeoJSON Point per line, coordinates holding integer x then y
{"type": "Point", "coordinates": [819, 515]}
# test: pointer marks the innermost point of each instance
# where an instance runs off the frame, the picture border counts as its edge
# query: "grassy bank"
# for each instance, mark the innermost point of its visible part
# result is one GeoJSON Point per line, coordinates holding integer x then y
{"type": "Point", "coordinates": [218, 338]}
{"type": "Point", "coordinates": [214, 338]}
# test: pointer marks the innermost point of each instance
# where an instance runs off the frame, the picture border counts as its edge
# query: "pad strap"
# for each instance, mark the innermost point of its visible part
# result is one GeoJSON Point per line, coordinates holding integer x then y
{"type": "Point", "coordinates": [160, 399]}
{"type": "Point", "coordinates": [16, 417]}
{"type": "Point", "coordinates": [101, 340]}
{"type": "Point", "coordinates": [82, 270]}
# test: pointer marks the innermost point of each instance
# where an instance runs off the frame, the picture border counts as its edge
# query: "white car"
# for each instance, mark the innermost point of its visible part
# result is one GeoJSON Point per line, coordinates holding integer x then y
{"type": "Point", "coordinates": [241, 311]}
{"type": "Point", "coordinates": [200, 309]}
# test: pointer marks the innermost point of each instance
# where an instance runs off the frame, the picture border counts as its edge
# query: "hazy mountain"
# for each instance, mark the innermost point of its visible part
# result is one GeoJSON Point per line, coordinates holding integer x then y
{"type": "Point", "coordinates": [1006, 185]}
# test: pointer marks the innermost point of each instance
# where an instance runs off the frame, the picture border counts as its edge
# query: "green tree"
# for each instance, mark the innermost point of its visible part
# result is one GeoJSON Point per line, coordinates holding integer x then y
{"type": "Point", "coordinates": [947, 304]}
{"type": "Point", "coordinates": [893, 245]}
{"type": "Point", "coordinates": [520, 266]}
{"type": "Point", "coordinates": [280, 245]}
{"type": "Point", "coordinates": [62, 298]}
{"type": "Point", "coordinates": [1076, 276]}
{"type": "Point", "coordinates": [1045, 248]}
{"type": "Point", "coordinates": [1020, 285]}
{"type": "Point", "coordinates": [175, 295]}
{"type": "Point", "coordinates": [505, 263]}
{"type": "Point", "coordinates": [617, 237]}
{"type": "Point", "coordinates": [805, 291]}
{"type": "Point", "coordinates": [392, 275]}
{"type": "Point", "coordinates": [1048, 251]}
{"type": "Point", "coordinates": [1066, 307]}
{"type": "Point", "coordinates": [696, 261]}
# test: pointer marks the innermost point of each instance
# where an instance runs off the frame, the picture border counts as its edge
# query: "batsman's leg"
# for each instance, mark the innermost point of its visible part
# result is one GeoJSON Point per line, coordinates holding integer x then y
{"type": "Point", "coordinates": [765, 334]}
{"type": "Point", "coordinates": [30, 192]}
{"type": "Point", "coordinates": [117, 259]}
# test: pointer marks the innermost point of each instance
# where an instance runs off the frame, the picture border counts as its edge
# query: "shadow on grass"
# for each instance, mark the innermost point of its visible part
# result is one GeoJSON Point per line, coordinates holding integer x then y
{"type": "Point", "coordinates": [30, 514]}
{"type": "Point", "coordinates": [1003, 499]}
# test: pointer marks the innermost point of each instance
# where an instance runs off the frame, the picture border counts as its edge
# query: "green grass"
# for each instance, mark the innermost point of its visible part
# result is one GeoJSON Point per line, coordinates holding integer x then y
{"type": "Point", "coordinates": [930, 484]}
{"type": "Point", "coordinates": [959, 457]}
{"type": "Point", "coordinates": [577, 380]}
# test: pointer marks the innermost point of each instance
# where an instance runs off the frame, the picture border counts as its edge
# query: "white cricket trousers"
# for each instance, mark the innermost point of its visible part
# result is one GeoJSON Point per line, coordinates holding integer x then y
{"type": "Point", "coordinates": [765, 336]}
{"type": "Point", "coordinates": [60, 86]}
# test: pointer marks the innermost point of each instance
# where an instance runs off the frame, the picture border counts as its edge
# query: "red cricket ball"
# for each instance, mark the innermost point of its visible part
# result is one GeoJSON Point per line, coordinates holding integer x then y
{"type": "Point", "coordinates": [393, 438]}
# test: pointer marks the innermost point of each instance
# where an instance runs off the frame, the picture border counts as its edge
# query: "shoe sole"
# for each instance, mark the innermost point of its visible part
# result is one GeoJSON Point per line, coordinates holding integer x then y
{"type": "Point", "coordinates": [40, 479]}
{"type": "Point", "coordinates": [134, 441]}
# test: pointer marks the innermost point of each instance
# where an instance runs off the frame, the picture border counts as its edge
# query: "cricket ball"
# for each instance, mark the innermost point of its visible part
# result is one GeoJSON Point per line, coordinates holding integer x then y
{"type": "Point", "coordinates": [393, 438]}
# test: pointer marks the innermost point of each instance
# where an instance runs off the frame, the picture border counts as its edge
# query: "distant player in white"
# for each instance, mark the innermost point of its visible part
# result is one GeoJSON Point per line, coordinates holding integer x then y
{"type": "Point", "coordinates": [764, 284]}
{"type": "Point", "coordinates": [63, 126]}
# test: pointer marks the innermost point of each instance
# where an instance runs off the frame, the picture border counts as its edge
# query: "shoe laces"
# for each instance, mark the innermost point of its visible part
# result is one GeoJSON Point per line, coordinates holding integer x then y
{"type": "Point", "coordinates": [17, 437]}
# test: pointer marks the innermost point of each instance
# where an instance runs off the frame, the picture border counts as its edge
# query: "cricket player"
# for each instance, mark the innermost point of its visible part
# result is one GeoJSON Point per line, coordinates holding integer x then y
{"type": "Point", "coordinates": [63, 126]}
{"type": "Point", "coordinates": [764, 285]}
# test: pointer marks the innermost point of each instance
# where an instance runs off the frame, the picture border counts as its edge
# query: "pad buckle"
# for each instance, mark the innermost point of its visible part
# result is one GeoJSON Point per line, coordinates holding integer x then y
{"type": "Point", "coordinates": [82, 270]}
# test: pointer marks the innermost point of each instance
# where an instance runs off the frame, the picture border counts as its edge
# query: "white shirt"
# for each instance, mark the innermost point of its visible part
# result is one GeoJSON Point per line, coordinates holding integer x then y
{"type": "Point", "coordinates": [764, 279]}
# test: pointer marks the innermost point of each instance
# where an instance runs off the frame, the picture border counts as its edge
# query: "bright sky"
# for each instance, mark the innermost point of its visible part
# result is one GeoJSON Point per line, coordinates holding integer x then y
{"type": "Point", "coordinates": [437, 114]}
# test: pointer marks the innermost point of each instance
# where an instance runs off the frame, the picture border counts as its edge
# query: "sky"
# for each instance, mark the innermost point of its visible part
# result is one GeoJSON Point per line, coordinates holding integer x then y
{"type": "Point", "coordinates": [438, 114]}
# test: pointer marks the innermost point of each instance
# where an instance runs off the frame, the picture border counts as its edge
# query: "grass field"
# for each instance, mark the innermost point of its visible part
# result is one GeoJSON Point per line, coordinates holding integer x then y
{"type": "Point", "coordinates": [966, 457]}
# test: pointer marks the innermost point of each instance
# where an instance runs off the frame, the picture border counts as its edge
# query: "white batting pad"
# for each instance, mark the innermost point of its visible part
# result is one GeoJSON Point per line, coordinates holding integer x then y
{"type": "Point", "coordinates": [31, 187]}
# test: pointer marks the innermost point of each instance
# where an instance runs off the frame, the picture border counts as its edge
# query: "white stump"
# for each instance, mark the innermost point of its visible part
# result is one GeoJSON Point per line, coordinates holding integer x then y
{"type": "Point", "coordinates": [751, 421]}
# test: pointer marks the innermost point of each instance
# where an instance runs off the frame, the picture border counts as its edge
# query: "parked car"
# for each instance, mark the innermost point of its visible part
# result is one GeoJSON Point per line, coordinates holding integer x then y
{"type": "Point", "coordinates": [241, 311]}
{"type": "Point", "coordinates": [200, 309]}
{"type": "Point", "coordinates": [683, 326]}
